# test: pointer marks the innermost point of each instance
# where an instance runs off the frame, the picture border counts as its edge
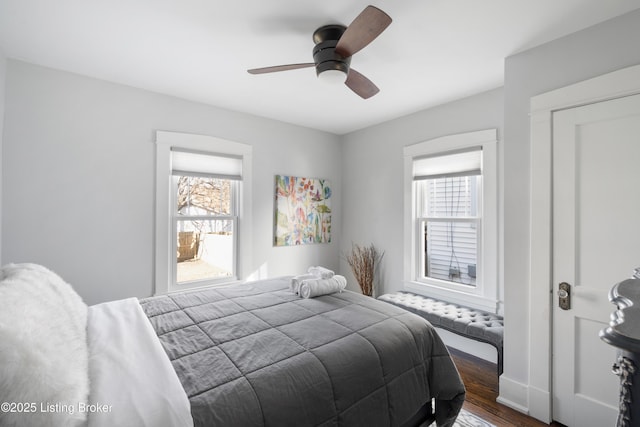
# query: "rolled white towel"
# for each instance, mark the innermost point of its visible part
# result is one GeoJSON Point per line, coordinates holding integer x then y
{"type": "Point", "coordinates": [296, 281]}
{"type": "Point", "coordinates": [315, 287]}
{"type": "Point", "coordinates": [321, 272]}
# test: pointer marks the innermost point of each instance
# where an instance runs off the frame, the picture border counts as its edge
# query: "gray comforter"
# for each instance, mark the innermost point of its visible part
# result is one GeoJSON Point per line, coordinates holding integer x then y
{"type": "Point", "coordinates": [257, 355]}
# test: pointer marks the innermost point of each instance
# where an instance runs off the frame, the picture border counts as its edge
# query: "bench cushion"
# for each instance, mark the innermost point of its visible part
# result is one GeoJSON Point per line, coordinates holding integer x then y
{"type": "Point", "coordinates": [477, 324]}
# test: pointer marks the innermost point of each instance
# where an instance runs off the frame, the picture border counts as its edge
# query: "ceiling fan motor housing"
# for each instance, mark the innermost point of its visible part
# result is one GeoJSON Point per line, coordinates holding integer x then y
{"type": "Point", "coordinates": [324, 52]}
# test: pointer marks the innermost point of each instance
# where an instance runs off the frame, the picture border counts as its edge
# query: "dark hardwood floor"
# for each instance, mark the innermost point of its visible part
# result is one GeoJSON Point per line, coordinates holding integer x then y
{"type": "Point", "coordinates": [481, 381]}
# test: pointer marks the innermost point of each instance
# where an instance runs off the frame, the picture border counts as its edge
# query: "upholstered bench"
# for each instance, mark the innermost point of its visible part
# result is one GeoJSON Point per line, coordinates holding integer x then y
{"type": "Point", "coordinates": [464, 321]}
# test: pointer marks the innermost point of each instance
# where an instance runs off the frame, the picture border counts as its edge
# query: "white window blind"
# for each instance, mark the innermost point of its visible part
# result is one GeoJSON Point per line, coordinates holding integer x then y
{"type": "Point", "coordinates": [193, 163]}
{"type": "Point", "coordinates": [455, 163]}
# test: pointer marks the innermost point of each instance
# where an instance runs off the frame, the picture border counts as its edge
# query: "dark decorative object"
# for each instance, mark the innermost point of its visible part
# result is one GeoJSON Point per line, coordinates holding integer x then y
{"type": "Point", "coordinates": [625, 369]}
{"type": "Point", "coordinates": [624, 334]}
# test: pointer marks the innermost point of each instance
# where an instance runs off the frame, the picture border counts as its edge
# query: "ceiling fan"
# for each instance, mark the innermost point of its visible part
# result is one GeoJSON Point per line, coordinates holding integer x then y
{"type": "Point", "coordinates": [334, 47]}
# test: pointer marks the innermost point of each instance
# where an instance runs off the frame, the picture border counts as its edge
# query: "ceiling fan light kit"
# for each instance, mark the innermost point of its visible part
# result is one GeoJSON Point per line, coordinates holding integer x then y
{"type": "Point", "coordinates": [333, 76]}
{"type": "Point", "coordinates": [334, 47]}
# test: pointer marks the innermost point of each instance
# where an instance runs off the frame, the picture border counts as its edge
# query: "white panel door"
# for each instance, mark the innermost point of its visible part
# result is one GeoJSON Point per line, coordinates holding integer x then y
{"type": "Point", "coordinates": [596, 243]}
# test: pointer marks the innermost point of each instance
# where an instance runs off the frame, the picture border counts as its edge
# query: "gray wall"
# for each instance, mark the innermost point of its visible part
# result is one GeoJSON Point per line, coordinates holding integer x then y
{"type": "Point", "coordinates": [373, 177]}
{"type": "Point", "coordinates": [594, 51]}
{"type": "Point", "coordinates": [79, 170]}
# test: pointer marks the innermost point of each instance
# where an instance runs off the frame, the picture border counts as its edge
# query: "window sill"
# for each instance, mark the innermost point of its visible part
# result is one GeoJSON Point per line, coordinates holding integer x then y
{"type": "Point", "coordinates": [468, 299]}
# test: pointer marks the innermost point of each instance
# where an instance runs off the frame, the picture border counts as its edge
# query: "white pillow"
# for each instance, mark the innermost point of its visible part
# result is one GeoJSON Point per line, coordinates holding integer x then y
{"type": "Point", "coordinates": [43, 349]}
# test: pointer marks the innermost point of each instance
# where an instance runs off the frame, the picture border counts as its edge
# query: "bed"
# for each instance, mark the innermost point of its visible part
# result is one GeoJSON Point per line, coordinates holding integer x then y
{"type": "Point", "coordinates": [251, 354]}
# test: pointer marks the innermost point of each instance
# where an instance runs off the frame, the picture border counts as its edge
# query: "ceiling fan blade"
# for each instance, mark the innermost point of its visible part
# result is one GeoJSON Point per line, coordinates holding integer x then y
{"type": "Point", "coordinates": [361, 85]}
{"type": "Point", "coordinates": [362, 31]}
{"type": "Point", "coordinates": [280, 68]}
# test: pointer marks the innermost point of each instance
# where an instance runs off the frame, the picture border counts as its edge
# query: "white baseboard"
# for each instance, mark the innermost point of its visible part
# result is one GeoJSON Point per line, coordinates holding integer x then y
{"type": "Point", "coordinates": [523, 398]}
{"type": "Point", "coordinates": [540, 404]}
{"type": "Point", "coordinates": [514, 395]}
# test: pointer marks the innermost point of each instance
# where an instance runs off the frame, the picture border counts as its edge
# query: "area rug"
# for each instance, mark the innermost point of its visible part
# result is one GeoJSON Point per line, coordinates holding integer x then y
{"type": "Point", "coordinates": [467, 419]}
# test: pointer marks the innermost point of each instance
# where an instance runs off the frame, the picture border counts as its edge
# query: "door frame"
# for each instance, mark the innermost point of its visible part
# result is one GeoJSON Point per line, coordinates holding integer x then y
{"type": "Point", "coordinates": [617, 84]}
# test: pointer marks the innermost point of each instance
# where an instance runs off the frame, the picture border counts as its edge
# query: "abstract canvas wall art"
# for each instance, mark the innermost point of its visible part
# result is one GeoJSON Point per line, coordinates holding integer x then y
{"type": "Point", "coordinates": [303, 211]}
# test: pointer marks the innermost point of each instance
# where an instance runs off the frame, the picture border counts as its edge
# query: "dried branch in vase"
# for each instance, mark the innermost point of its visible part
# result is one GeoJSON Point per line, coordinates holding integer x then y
{"type": "Point", "coordinates": [363, 261]}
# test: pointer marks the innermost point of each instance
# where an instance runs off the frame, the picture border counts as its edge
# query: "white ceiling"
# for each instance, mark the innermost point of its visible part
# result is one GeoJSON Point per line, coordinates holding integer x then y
{"type": "Point", "coordinates": [434, 51]}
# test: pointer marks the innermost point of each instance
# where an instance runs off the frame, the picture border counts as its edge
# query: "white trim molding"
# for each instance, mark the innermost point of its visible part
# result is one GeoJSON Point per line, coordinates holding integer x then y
{"type": "Point", "coordinates": [624, 82]}
{"type": "Point", "coordinates": [513, 394]}
{"type": "Point", "coordinates": [200, 143]}
{"type": "Point", "coordinates": [485, 296]}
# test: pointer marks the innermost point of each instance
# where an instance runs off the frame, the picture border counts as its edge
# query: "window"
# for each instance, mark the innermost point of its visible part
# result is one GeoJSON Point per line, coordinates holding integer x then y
{"type": "Point", "coordinates": [205, 220]}
{"type": "Point", "coordinates": [202, 198]}
{"type": "Point", "coordinates": [451, 219]}
{"type": "Point", "coordinates": [448, 192]}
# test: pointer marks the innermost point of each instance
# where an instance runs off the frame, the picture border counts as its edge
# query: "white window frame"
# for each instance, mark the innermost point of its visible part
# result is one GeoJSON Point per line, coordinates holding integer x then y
{"type": "Point", "coordinates": [484, 294]}
{"type": "Point", "coordinates": [164, 230]}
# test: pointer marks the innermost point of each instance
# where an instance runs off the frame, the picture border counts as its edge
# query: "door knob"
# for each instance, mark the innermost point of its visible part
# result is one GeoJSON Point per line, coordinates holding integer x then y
{"type": "Point", "coordinates": [564, 296]}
